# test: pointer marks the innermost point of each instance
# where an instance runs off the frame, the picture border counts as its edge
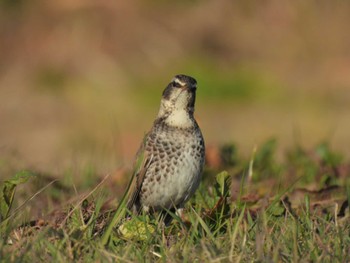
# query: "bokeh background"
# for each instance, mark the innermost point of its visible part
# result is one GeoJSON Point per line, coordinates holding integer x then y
{"type": "Point", "coordinates": [81, 80]}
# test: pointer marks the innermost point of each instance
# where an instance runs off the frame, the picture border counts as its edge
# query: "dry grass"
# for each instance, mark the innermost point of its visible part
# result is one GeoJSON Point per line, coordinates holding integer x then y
{"type": "Point", "coordinates": [260, 210]}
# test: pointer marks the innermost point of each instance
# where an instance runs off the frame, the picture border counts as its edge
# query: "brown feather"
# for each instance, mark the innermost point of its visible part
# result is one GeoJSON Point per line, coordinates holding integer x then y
{"type": "Point", "coordinates": [133, 203]}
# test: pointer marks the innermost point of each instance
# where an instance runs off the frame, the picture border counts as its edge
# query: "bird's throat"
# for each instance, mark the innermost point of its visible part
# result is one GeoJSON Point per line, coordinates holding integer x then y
{"type": "Point", "coordinates": [179, 118]}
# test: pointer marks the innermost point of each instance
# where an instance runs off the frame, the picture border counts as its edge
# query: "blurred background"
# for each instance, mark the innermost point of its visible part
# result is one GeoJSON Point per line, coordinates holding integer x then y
{"type": "Point", "coordinates": [81, 80]}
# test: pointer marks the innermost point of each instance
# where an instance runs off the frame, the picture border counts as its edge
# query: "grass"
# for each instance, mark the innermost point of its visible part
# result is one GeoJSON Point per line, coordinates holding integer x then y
{"type": "Point", "coordinates": [255, 209]}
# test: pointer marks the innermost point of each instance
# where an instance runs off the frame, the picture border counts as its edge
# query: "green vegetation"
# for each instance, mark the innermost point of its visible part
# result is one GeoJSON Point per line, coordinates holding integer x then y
{"type": "Point", "coordinates": [256, 209]}
{"type": "Point", "coordinates": [80, 83]}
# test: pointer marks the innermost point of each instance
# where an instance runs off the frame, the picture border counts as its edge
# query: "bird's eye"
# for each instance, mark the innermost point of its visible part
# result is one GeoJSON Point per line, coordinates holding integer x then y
{"type": "Point", "coordinates": [176, 84]}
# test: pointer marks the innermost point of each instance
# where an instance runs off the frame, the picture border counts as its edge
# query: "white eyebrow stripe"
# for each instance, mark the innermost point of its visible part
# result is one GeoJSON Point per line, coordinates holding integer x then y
{"type": "Point", "coordinates": [178, 81]}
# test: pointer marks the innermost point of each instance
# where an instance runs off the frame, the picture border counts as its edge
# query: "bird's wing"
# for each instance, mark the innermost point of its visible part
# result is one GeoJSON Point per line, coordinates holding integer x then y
{"type": "Point", "coordinates": [142, 163]}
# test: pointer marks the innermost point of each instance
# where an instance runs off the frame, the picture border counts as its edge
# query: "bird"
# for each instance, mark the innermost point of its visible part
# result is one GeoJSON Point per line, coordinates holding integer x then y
{"type": "Point", "coordinates": [170, 160]}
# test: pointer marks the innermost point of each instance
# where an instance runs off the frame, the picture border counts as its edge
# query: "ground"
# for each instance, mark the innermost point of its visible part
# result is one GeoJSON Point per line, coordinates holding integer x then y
{"type": "Point", "coordinates": [255, 209]}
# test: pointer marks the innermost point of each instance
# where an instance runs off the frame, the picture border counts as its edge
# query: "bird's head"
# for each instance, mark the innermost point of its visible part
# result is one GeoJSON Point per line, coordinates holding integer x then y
{"type": "Point", "coordinates": [177, 105]}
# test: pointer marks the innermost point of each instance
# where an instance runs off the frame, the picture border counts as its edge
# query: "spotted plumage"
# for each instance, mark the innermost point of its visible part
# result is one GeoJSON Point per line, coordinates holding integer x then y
{"type": "Point", "coordinates": [171, 158]}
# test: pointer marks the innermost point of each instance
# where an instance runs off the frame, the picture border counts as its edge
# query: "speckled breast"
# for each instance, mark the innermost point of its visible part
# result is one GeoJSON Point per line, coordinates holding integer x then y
{"type": "Point", "coordinates": [175, 171]}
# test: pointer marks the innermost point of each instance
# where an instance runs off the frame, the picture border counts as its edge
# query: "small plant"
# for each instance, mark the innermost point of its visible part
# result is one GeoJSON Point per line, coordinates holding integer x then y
{"type": "Point", "coordinates": [260, 209]}
{"type": "Point", "coordinates": [7, 194]}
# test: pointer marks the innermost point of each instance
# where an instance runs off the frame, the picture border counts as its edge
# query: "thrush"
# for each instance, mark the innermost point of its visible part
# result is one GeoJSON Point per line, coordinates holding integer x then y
{"type": "Point", "coordinates": [170, 159]}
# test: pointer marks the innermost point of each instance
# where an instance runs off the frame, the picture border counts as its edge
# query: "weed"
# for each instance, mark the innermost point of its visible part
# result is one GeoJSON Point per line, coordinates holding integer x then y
{"type": "Point", "coordinates": [274, 216]}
